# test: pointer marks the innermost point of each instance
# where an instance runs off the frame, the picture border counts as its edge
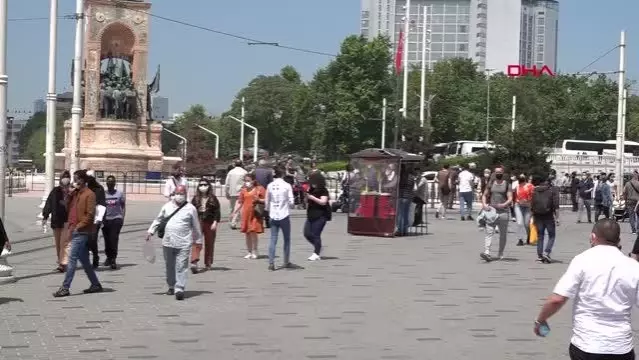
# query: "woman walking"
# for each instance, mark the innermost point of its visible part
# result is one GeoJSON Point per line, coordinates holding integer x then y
{"type": "Point", "coordinates": [55, 207]}
{"type": "Point", "coordinates": [208, 210]}
{"type": "Point", "coordinates": [317, 213]}
{"type": "Point", "coordinates": [251, 203]}
{"type": "Point", "coordinates": [523, 198]}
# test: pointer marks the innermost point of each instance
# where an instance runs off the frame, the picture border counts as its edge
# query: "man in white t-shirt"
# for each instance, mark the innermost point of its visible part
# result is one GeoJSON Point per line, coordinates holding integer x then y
{"type": "Point", "coordinates": [604, 286]}
{"type": "Point", "coordinates": [279, 201]}
{"type": "Point", "coordinates": [466, 185]}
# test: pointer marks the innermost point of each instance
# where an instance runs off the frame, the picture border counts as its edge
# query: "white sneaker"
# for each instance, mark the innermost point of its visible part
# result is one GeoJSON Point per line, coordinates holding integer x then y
{"type": "Point", "coordinates": [314, 257]}
{"type": "Point", "coordinates": [254, 255]}
{"type": "Point", "coordinates": [249, 256]}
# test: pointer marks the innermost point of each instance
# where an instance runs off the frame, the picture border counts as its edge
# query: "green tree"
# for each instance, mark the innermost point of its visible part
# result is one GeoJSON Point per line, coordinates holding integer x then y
{"type": "Point", "coordinates": [35, 147]}
{"type": "Point", "coordinates": [36, 122]}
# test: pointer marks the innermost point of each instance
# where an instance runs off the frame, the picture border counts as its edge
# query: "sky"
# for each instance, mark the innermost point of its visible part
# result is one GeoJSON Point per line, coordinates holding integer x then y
{"type": "Point", "coordinates": [199, 67]}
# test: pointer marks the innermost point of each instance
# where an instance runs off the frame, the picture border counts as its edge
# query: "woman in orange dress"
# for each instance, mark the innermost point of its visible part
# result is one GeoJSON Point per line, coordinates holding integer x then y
{"type": "Point", "coordinates": [252, 193]}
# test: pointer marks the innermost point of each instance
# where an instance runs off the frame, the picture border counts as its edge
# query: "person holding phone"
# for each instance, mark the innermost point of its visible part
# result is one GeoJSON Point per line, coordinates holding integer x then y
{"type": "Point", "coordinates": [316, 213]}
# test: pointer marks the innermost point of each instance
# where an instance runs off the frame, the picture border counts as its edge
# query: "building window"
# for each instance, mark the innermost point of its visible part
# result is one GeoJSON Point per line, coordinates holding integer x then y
{"type": "Point", "coordinates": [437, 19]}
{"type": "Point", "coordinates": [462, 47]}
{"type": "Point", "coordinates": [541, 21]}
{"type": "Point", "coordinates": [450, 29]}
{"type": "Point", "coordinates": [437, 29]}
{"type": "Point", "coordinates": [482, 16]}
{"type": "Point", "coordinates": [451, 19]}
{"type": "Point", "coordinates": [463, 29]}
{"type": "Point", "coordinates": [450, 47]}
{"type": "Point", "coordinates": [437, 38]}
{"type": "Point", "coordinates": [450, 38]}
{"type": "Point", "coordinates": [462, 38]}
{"type": "Point", "coordinates": [436, 46]}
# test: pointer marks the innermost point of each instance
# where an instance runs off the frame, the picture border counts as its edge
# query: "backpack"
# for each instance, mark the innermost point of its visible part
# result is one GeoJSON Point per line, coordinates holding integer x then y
{"type": "Point", "coordinates": [542, 202]}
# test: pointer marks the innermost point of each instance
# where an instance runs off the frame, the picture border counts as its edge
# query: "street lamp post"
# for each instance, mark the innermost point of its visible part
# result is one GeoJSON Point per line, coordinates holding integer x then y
{"type": "Point", "coordinates": [620, 112]}
{"type": "Point", "coordinates": [241, 121]}
{"type": "Point", "coordinates": [184, 143]}
{"type": "Point", "coordinates": [217, 140]}
{"type": "Point", "coordinates": [78, 64]}
{"type": "Point", "coordinates": [242, 114]}
{"type": "Point", "coordinates": [425, 50]}
{"type": "Point", "coordinates": [488, 103]}
{"type": "Point", "coordinates": [51, 104]}
{"type": "Point", "coordinates": [384, 104]}
{"type": "Point", "coordinates": [4, 81]}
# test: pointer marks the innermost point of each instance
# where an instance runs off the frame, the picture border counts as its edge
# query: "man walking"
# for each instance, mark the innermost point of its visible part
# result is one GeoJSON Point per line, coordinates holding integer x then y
{"type": "Point", "coordinates": [233, 186]}
{"type": "Point", "coordinates": [176, 179]}
{"type": "Point", "coordinates": [574, 185]}
{"type": "Point", "coordinates": [603, 284]}
{"type": "Point", "coordinates": [81, 205]}
{"type": "Point", "coordinates": [631, 196]}
{"type": "Point", "coordinates": [113, 221]}
{"type": "Point", "coordinates": [585, 188]}
{"type": "Point", "coordinates": [545, 212]}
{"type": "Point", "coordinates": [181, 230]}
{"type": "Point", "coordinates": [100, 199]}
{"type": "Point", "coordinates": [498, 196]}
{"type": "Point", "coordinates": [444, 189]}
{"type": "Point", "coordinates": [279, 200]}
{"type": "Point", "coordinates": [264, 176]}
{"type": "Point", "coordinates": [466, 185]}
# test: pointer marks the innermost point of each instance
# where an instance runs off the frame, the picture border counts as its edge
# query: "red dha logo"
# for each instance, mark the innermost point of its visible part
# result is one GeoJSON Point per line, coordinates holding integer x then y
{"type": "Point", "coordinates": [522, 70]}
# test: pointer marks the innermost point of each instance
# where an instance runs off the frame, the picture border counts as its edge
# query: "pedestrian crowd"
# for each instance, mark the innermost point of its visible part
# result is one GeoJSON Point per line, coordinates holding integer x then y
{"type": "Point", "coordinates": [79, 208]}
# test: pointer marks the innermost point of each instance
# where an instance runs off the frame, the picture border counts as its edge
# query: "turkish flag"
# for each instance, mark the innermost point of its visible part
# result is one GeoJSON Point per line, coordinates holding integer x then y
{"type": "Point", "coordinates": [399, 55]}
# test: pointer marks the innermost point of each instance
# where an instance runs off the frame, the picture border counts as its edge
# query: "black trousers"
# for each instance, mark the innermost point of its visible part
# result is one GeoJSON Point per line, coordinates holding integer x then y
{"type": "Point", "coordinates": [577, 354]}
{"type": "Point", "coordinates": [111, 233]}
{"type": "Point", "coordinates": [573, 199]}
{"type": "Point", "coordinates": [419, 211]}
{"type": "Point", "coordinates": [602, 210]}
{"type": "Point", "coordinates": [93, 242]}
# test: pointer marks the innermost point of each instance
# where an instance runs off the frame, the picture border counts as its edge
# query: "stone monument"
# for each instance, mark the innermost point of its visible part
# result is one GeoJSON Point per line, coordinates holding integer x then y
{"type": "Point", "coordinates": [117, 132]}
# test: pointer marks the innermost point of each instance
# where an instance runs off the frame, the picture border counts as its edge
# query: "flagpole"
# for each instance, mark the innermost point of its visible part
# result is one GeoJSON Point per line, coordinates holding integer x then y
{"type": "Point", "coordinates": [405, 62]}
{"type": "Point", "coordinates": [422, 102]}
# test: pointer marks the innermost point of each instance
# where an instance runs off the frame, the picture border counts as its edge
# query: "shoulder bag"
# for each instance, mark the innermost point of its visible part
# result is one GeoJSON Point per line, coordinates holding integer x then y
{"type": "Point", "coordinates": [162, 225]}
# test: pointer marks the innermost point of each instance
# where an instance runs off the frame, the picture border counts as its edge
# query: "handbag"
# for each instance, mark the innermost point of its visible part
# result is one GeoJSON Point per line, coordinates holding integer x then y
{"type": "Point", "coordinates": [259, 210]}
{"type": "Point", "coordinates": [162, 225]}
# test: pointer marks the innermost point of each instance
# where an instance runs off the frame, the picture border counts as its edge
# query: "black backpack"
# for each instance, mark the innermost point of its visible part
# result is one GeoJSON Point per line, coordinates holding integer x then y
{"type": "Point", "coordinates": [542, 201]}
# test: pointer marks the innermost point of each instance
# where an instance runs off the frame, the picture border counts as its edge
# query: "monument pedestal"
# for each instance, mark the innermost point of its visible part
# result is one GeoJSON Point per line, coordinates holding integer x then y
{"type": "Point", "coordinates": [118, 146]}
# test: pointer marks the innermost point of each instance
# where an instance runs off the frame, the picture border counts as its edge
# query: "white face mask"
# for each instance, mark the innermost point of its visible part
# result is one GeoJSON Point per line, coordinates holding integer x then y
{"type": "Point", "coordinates": [91, 173]}
{"type": "Point", "coordinates": [65, 181]}
{"type": "Point", "coordinates": [203, 188]}
{"type": "Point", "coordinates": [248, 184]}
{"type": "Point", "coordinates": [179, 198]}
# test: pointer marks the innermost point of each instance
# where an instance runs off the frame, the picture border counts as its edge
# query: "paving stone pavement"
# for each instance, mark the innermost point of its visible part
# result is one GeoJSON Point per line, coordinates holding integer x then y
{"type": "Point", "coordinates": [426, 297]}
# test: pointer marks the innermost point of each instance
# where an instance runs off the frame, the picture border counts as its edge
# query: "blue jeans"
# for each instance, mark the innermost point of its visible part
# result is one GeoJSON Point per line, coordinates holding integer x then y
{"type": "Point", "coordinates": [403, 212]}
{"type": "Point", "coordinates": [632, 215]}
{"type": "Point", "coordinates": [542, 226]}
{"type": "Point", "coordinates": [79, 251]}
{"type": "Point", "coordinates": [465, 203]}
{"type": "Point", "coordinates": [522, 213]}
{"type": "Point", "coordinates": [276, 225]}
{"type": "Point", "coordinates": [313, 233]}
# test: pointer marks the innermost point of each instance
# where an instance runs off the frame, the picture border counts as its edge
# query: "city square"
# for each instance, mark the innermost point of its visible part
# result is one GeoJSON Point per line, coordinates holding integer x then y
{"type": "Point", "coordinates": [370, 298]}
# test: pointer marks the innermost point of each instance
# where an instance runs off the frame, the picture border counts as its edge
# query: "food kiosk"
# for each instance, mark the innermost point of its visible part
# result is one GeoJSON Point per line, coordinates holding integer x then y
{"type": "Point", "coordinates": [374, 190]}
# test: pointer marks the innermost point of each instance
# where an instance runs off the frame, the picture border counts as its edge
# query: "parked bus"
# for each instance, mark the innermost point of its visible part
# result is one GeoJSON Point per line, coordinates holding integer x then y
{"type": "Point", "coordinates": [590, 147]}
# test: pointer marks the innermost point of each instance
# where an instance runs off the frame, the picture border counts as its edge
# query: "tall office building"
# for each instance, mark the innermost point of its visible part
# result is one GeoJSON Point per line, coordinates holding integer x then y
{"type": "Point", "coordinates": [160, 108]}
{"type": "Point", "coordinates": [494, 33]}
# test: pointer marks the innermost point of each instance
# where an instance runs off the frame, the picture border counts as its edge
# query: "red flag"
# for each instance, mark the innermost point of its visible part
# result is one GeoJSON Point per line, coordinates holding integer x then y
{"type": "Point", "coordinates": [399, 55]}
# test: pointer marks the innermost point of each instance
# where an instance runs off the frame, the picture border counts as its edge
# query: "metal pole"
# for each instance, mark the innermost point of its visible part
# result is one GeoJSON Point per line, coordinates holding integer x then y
{"type": "Point", "coordinates": [514, 116]}
{"type": "Point", "coordinates": [51, 104]}
{"type": "Point", "coordinates": [423, 73]}
{"type": "Point", "coordinates": [383, 123]}
{"type": "Point", "coordinates": [620, 124]}
{"type": "Point", "coordinates": [405, 67]}
{"type": "Point", "coordinates": [255, 149]}
{"type": "Point", "coordinates": [254, 139]}
{"type": "Point", "coordinates": [78, 64]}
{"type": "Point", "coordinates": [217, 140]}
{"type": "Point", "coordinates": [488, 106]}
{"type": "Point", "coordinates": [623, 136]}
{"type": "Point", "coordinates": [242, 132]}
{"type": "Point", "coordinates": [4, 81]}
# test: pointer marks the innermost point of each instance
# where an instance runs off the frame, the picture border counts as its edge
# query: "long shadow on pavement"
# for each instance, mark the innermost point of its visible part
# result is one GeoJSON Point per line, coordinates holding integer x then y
{"type": "Point", "coordinates": [9, 300]}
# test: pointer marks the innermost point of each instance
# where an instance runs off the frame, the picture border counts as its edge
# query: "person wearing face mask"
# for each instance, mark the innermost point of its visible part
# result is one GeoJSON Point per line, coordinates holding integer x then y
{"type": "Point", "coordinates": [182, 229]}
{"type": "Point", "coordinates": [113, 221]}
{"type": "Point", "coordinates": [55, 208]}
{"type": "Point", "coordinates": [176, 179]}
{"type": "Point", "coordinates": [498, 196]}
{"type": "Point", "coordinates": [252, 198]}
{"type": "Point", "coordinates": [317, 214]}
{"type": "Point", "coordinates": [81, 204]}
{"type": "Point", "coordinates": [208, 210]}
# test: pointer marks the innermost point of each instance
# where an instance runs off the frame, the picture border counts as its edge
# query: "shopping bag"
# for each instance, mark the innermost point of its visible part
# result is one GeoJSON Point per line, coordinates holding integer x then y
{"type": "Point", "coordinates": [149, 251]}
{"type": "Point", "coordinates": [533, 233]}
